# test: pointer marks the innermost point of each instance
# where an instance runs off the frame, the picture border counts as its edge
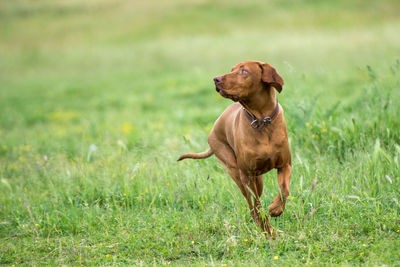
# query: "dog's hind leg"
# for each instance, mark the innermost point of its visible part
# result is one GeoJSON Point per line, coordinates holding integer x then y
{"type": "Point", "coordinates": [225, 155]}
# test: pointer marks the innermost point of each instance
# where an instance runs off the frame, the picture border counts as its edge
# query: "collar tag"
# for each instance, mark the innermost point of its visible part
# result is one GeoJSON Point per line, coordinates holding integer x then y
{"type": "Point", "coordinates": [267, 121]}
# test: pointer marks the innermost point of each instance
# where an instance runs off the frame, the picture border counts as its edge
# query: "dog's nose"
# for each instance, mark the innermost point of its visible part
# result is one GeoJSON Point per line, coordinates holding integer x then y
{"type": "Point", "coordinates": [217, 79]}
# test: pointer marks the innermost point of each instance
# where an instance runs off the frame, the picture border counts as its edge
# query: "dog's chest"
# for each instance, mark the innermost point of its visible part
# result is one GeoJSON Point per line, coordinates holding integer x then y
{"type": "Point", "coordinates": [257, 152]}
{"type": "Point", "coordinates": [258, 157]}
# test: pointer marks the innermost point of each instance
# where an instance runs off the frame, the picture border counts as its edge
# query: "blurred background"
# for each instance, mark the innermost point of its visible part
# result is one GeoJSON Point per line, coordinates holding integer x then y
{"type": "Point", "coordinates": [99, 98]}
{"type": "Point", "coordinates": [117, 61]}
{"type": "Point", "coordinates": [73, 68]}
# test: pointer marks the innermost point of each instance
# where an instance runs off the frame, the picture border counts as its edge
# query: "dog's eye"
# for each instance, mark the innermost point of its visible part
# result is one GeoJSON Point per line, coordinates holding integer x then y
{"type": "Point", "coordinates": [243, 71]}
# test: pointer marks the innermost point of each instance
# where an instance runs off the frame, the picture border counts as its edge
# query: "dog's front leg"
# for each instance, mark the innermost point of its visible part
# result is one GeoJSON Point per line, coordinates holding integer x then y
{"type": "Point", "coordinates": [253, 191]}
{"type": "Point", "coordinates": [278, 204]}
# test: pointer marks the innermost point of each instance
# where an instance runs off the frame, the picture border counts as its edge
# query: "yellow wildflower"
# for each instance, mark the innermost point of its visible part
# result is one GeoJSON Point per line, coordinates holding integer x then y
{"type": "Point", "coordinates": [362, 253]}
{"type": "Point", "coordinates": [324, 130]}
{"type": "Point", "coordinates": [208, 127]}
{"type": "Point", "coordinates": [126, 128]}
{"type": "Point", "coordinates": [64, 115]}
{"type": "Point", "coordinates": [108, 255]}
{"type": "Point", "coordinates": [276, 257]}
{"type": "Point", "coordinates": [246, 240]}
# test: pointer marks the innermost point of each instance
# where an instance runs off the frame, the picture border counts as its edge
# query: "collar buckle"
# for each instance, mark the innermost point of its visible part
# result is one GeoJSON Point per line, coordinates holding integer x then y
{"type": "Point", "coordinates": [254, 124]}
{"type": "Point", "coordinates": [259, 124]}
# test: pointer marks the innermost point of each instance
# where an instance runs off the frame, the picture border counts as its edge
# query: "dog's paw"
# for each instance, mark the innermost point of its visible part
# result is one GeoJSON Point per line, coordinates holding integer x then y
{"type": "Point", "coordinates": [277, 207]}
{"type": "Point", "coordinates": [275, 210]}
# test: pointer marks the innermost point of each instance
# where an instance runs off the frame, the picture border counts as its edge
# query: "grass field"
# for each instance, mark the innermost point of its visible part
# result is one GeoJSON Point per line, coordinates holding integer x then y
{"type": "Point", "coordinates": [99, 98]}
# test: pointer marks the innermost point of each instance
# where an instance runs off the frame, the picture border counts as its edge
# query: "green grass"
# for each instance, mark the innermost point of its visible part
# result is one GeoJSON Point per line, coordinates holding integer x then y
{"type": "Point", "coordinates": [99, 98]}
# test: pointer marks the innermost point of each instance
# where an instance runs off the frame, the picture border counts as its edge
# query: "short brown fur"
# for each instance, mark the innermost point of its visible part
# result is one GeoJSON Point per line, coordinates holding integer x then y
{"type": "Point", "coordinates": [245, 152]}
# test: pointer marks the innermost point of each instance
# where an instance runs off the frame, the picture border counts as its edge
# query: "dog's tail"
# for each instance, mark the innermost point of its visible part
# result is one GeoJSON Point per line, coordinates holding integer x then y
{"type": "Point", "coordinates": [201, 155]}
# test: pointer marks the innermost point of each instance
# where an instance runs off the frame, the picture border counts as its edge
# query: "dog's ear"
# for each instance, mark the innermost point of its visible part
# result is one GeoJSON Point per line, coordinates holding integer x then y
{"type": "Point", "coordinates": [271, 77]}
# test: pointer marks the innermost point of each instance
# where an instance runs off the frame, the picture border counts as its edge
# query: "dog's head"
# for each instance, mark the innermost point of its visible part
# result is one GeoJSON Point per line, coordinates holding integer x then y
{"type": "Point", "coordinates": [246, 78]}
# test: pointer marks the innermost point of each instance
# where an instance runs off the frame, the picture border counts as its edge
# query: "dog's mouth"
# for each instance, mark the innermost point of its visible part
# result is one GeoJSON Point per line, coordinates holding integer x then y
{"type": "Point", "coordinates": [226, 95]}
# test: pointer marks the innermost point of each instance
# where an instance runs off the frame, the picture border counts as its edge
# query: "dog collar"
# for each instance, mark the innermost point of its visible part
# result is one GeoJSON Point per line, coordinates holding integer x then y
{"type": "Point", "coordinates": [261, 123]}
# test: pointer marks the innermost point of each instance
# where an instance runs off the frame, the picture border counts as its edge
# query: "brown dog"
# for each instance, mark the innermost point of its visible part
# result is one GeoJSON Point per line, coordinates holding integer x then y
{"type": "Point", "coordinates": [250, 138]}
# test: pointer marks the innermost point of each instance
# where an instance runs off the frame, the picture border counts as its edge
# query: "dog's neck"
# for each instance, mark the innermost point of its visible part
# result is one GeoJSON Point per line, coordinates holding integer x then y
{"type": "Point", "coordinates": [262, 103]}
